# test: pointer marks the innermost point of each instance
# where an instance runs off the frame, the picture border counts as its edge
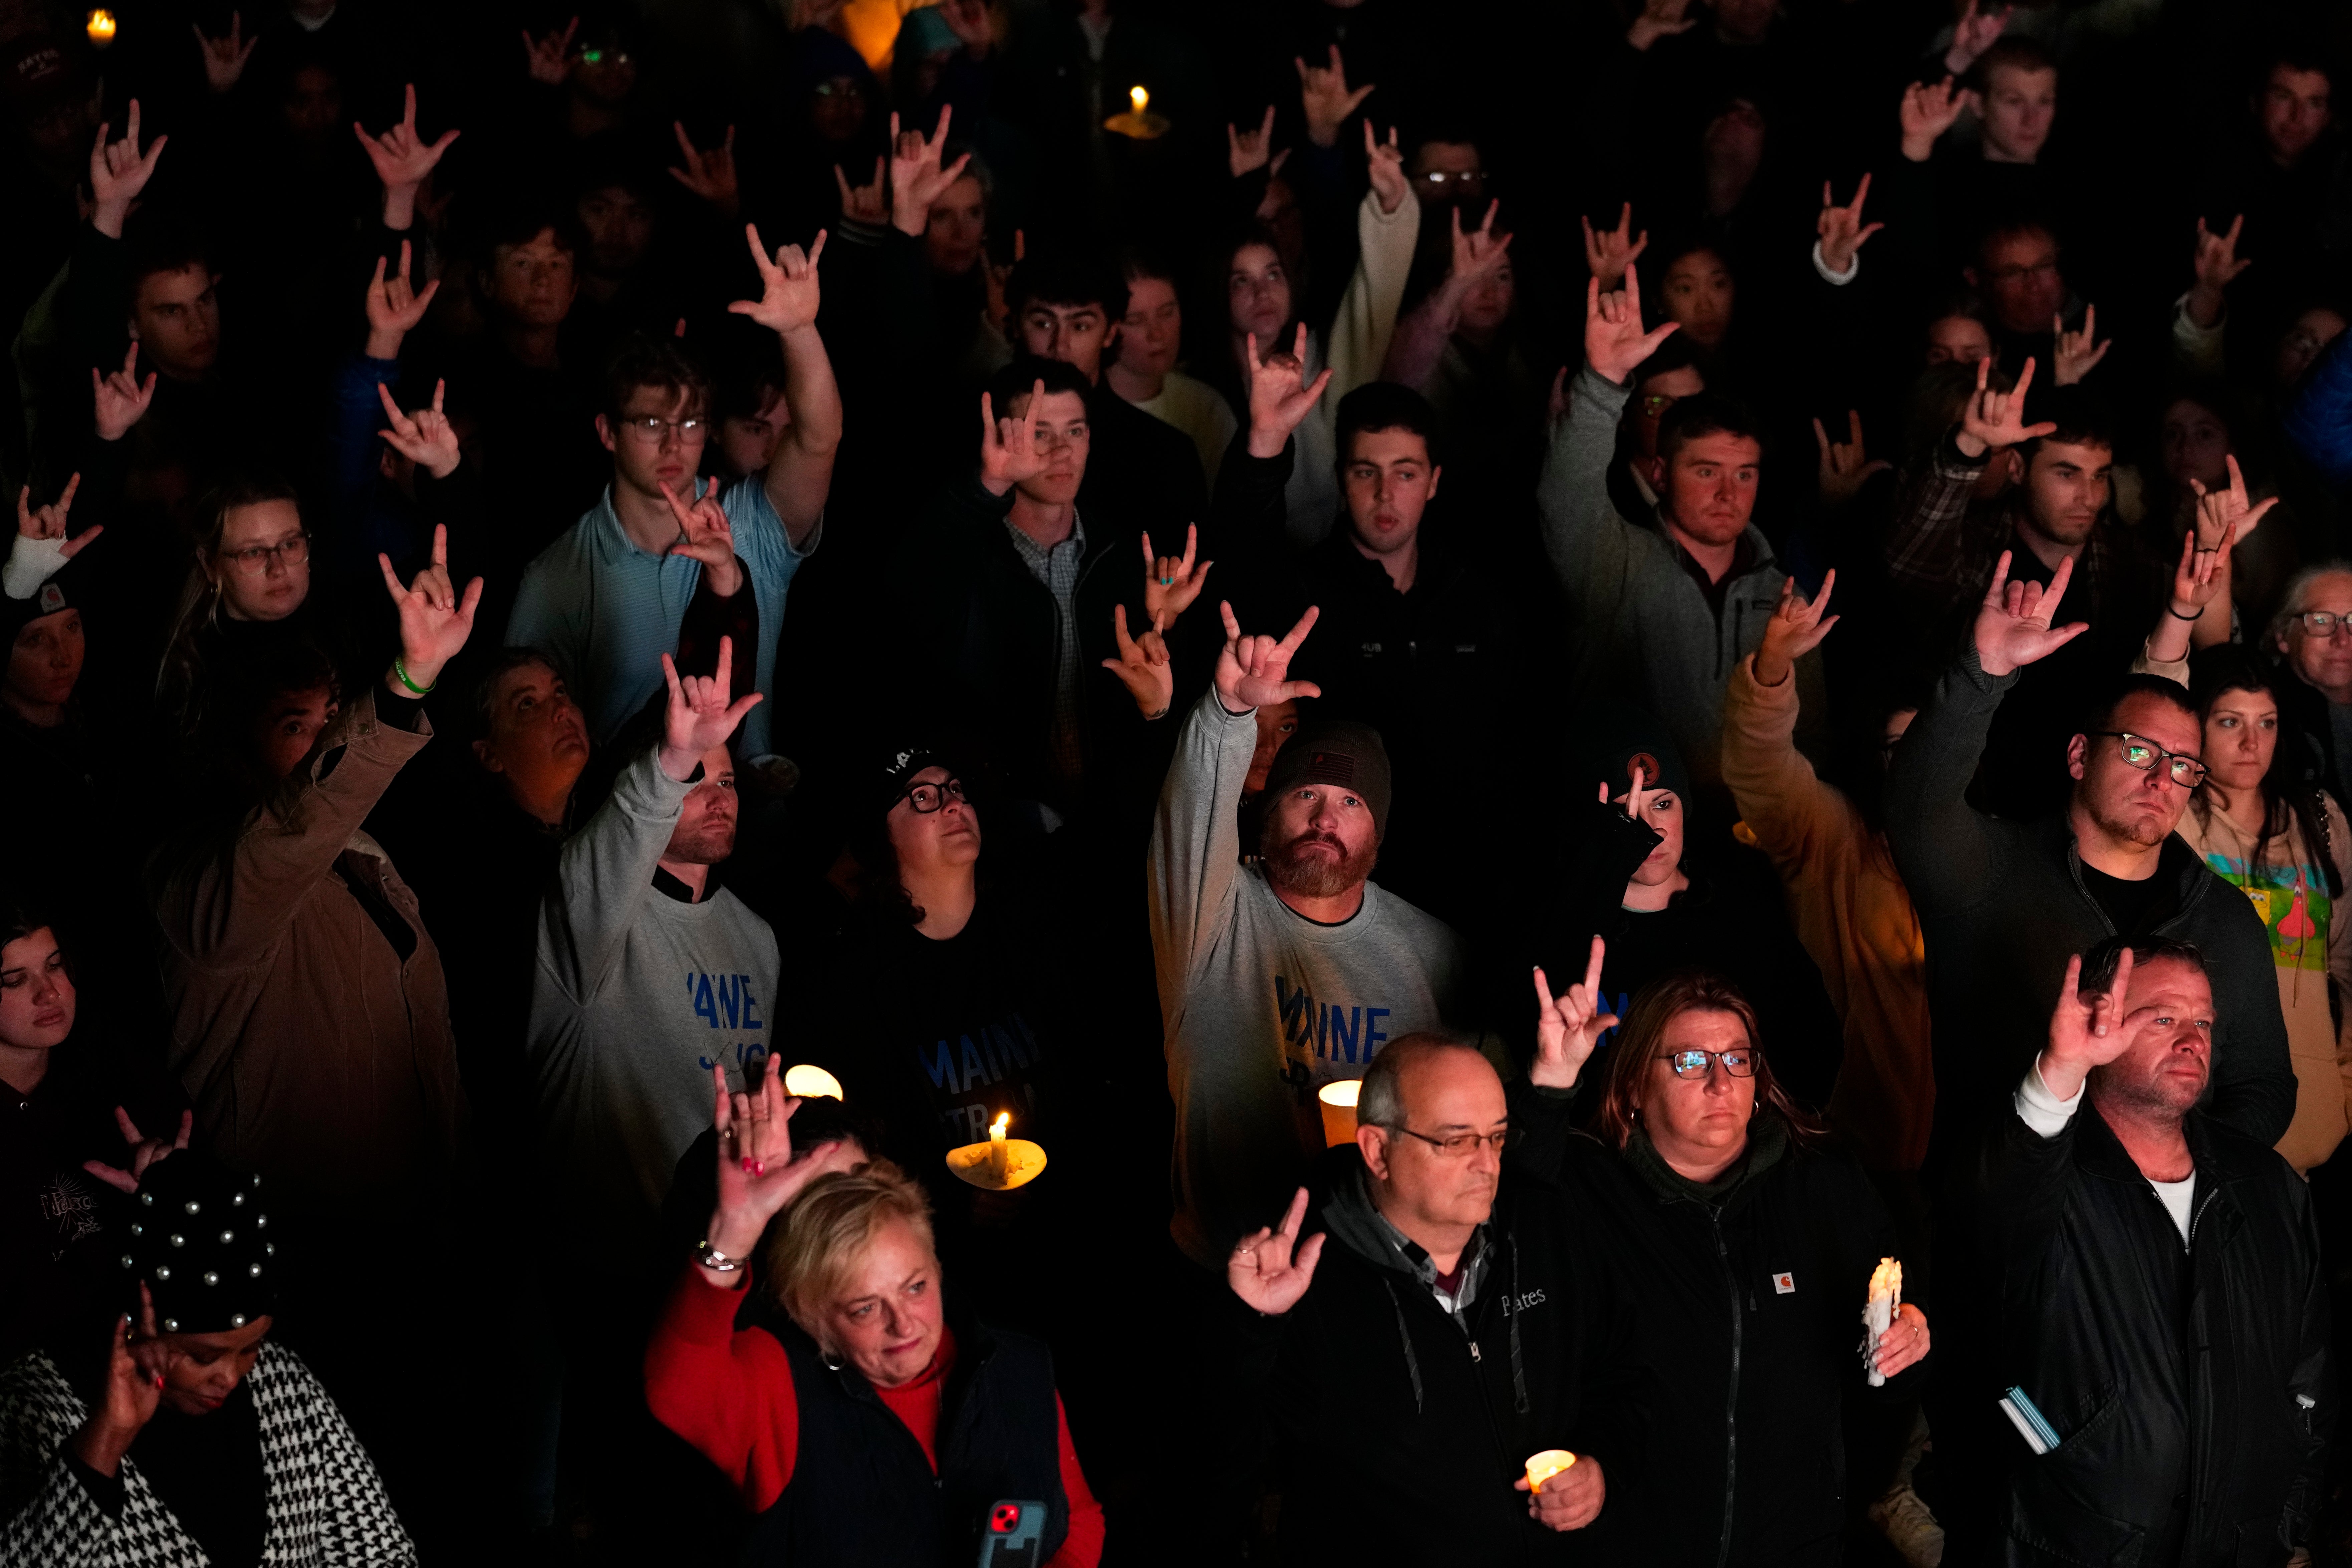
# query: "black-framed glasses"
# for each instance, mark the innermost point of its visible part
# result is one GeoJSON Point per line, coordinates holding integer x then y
{"type": "Point", "coordinates": [2144, 754]}
{"type": "Point", "coordinates": [652, 429]}
{"type": "Point", "coordinates": [1739, 1061]}
{"type": "Point", "coordinates": [2324, 623]}
{"type": "Point", "coordinates": [1460, 1145]}
{"type": "Point", "coordinates": [254, 560]}
{"type": "Point", "coordinates": [927, 798]}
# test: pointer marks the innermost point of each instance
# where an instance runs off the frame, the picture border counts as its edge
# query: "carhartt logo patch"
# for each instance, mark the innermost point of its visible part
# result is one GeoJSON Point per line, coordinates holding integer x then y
{"type": "Point", "coordinates": [1646, 766]}
{"type": "Point", "coordinates": [1784, 1284]}
{"type": "Point", "coordinates": [53, 598]}
{"type": "Point", "coordinates": [1332, 767]}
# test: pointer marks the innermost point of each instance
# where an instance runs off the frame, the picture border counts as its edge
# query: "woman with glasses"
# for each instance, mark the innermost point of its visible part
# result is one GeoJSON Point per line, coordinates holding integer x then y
{"type": "Point", "coordinates": [244, 597]}
{"type": "Point", "coordinates": [951, 979]}
{"type": "Point", "coordinates": [1750, 1246]}
{"type": "Point", "coordinates": [2283, 841]}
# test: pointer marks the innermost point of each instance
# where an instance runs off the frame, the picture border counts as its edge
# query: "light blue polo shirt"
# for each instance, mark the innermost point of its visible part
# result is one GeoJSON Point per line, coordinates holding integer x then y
{"type": "Point", "coordinates": [605, 611]}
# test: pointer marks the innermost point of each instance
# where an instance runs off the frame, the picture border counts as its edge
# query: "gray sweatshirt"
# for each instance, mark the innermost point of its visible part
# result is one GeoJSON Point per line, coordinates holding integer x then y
{"type": "Point", "coordinates": [1644, 626]}
{"type": "Point", "coordinates": [1261, 1005]}
{"type": "Point", "coordinates": [636, 995]}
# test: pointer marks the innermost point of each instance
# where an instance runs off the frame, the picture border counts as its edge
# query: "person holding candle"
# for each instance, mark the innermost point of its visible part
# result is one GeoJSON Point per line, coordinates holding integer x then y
{"type": "Point", "coordinates": [859, 1420]}
{"type": "Point", "coordinates": [2159, 1292]}
{"type": "Point", "coordinates": [1442, 1329]}
{"type": "Point", "coordinates": [1750, 1249]}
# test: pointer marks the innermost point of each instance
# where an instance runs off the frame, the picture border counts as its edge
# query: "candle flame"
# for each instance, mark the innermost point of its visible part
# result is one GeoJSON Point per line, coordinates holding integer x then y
{"type": "Point", "coordinates": [1886, 1279]}
{"type": "Point", "coordinates": [1138, 97]}
{"type": "Point", "coordinates": [996, 1128]}
{"type": "Point", "coordinates": [101, 28]}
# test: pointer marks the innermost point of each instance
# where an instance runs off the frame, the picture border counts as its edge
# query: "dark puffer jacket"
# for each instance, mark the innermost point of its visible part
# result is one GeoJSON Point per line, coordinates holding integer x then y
{"type": "Point", "coordinates": [2190, 1387]}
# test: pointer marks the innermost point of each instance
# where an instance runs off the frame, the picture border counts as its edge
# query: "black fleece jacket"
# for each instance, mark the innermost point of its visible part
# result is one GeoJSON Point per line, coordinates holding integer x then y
{"type": "Point", "coordinates": [1404, 1429]}
{"type": "Point", "coordinates": [2003, 905]}
{"type": "Point", "coordinates": [2190, 1387]}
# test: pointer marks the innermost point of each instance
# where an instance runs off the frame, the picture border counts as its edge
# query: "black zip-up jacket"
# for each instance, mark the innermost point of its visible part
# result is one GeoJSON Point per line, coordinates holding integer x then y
{"type": "Point", "coordinates": [2003, 906]}
{"type": "Point", "coordinates": [2188, 1386]}
{"type": "Point", "coordinates": [1405, 1429]}
{"type": "Point", "coordinates": [1750, 1325]}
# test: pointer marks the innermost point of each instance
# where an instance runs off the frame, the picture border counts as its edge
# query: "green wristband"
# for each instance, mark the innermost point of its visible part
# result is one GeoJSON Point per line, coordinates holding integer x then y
{"type": "Point", "coordinates": [400, 673]}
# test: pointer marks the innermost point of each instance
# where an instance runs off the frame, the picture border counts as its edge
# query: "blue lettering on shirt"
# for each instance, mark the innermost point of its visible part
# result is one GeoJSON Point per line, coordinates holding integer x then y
{"type": "Point", "coordinates": [1344, 1036]}
{"type": "Point", "coordinates": [727, 998]}
{"type": "Point", "coordinates": [939, 1067]}
{"type": "Point", "coordinates": [751, 1018]}
{"type": "Point", "coordinates": [703, 1005]}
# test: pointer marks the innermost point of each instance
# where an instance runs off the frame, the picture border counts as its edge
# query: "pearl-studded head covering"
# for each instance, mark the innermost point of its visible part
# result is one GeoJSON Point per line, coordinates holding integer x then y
{"type": "Point", "coordinates": [200, 1240]}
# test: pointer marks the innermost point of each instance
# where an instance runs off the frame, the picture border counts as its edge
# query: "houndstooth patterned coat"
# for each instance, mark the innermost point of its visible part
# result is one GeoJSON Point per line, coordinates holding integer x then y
{"type": "Point", "coordinates": [327, 1508]}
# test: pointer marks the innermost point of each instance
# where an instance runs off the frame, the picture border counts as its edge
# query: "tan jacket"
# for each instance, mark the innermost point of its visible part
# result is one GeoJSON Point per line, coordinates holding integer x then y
{"type": "Point", "coordinates": [1854, 915]}
{"type": "Point", "coordinates": [314, 1053]}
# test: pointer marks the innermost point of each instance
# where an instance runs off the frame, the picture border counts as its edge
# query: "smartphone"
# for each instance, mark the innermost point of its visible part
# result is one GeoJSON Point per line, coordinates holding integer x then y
{"type": "Point", "coordinates": [1015, 1537]}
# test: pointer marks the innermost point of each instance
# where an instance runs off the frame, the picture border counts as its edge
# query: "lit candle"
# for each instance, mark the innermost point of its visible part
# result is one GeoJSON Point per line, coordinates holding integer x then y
{"type": "Point", "coordinates": [1338, 1101]}
{"type": "Point", "coordinates": [811, 1082]}
{"type": "Point", "coordinates": [998, 1153]}
{"type": "Point", "coordinates": [1542, 1467]}
{"type": "Point", "coordinates": [101, 28]}
{"type": "Point", "coordinates": [1140, 98]}
{"type": "Point", "coordinates": [1878, 1313]}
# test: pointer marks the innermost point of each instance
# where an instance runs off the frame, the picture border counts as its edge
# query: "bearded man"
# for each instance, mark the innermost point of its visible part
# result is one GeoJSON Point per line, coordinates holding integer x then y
{"type": "Point", "coordinates": [1284, 974]}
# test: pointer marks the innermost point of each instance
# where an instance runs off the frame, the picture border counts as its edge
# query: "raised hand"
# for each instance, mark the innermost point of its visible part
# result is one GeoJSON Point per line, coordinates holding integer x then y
{"type": "Point", "coordinates": [549, 59]}
{"type": "Point", "coordinates": [1659, 19]}
{"type": "Point", "coordinates": [1927, 112]}
{"type": "Point", "coordinates": [1323, 94]}
{"type": "Point", "coordinates": [1386, 161]}
{"type": "Point", "coordinates": [1279, 396]}
{"type": "Point", "coordinates": [45, 522]}
{"type": "Point", "coordinates": [1171, 583]}
{"type": "Point", "coordinates": [1797, 627]}
{"type": "Point", "coordinates": [2201, 574]}
{"type": "Point", "coordinates": [1992, 420]}
{"type": "Point", "coordinates": [2074, 357]}
{"type": "Point", "coordinates": [705, 534]}
{"type": "Point", "coordinates": [699, 716]}
{"type": "Point", "coordinates": [2013, 628]}
{"type": "Point", "coordinates": [1979, 28]}
{"type": "Point", "coordinates": [1568, 1026]}
{"type": "Point", "coordinates": [2217, 267]}
{"type": "Point", "coordinates": [1009, 452]}
{"type": "Point", "coordinates": [1845, 468]}
{"type": "Point", "coordinates": [1608, 252]}
{"type": "Point", "coordinates": [224, 58]}
{"type": "Point", "coordinates": [120, 400]}
{"type": "Point", "coordinates": [863, 203]}
{"type": "Point", "coordinates": [758, 1176]}
{"type": "Point", "coordinates": [2087, 1032]}
{"type": "Point", "coordinates": [425, 436]}
{"type": "Point", "coordinates": [1614, 342]}
{"type": "Point", "coordinates": [711, 175]}
{"type": "Point", "coordinates": [917, 176]}
{"type": "Point", "coordinates": [789, 287]}
{"type": "Point", "coordinates": [135, 1369]}
{"type": "Point", "coordinates": [1254, 671]}
{"type": "Point", "coordinates": [401, 157]}
{"type": "Point", "coordinates": [967, 20]}
{"type": "Point", "coordinates": [394, 310]}
{"type": "Point", "coordinates": [118, 171]}
{"type": "Point", "coordinates": [1143, 664]}
{"type": "Point", "coordinates": [1841, 229]}
{"type": "Point", "coordinates": [1478, 254]}
{"type": "Point", "coordinates": [435, 620]}
{"type": "Point", "coordinates": [144, 1152]}
{"type": "Point", "coordinates": [1272, 1270]}
{"type": "Point", "coordinates": [2228, 510]}
{"type": "Point", "coordinates": [1247, 151]}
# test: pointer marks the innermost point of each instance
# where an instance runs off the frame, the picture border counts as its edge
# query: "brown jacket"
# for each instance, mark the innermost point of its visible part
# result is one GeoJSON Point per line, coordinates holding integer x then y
{"type": "Point", "coordinates": [1854, 915]}
{"type": "Point", "coordinates": [314, 1053]}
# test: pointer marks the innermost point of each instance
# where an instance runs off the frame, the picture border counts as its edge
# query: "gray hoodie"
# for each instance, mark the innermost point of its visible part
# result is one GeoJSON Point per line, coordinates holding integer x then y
{"type": "Point", "coordinates": [1261, 1005]}
{"type": "Point", "coordinates": [1643, 629]}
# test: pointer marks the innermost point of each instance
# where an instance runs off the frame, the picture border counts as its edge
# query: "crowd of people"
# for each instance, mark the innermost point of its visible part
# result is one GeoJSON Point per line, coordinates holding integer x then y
{"type": "Point", "coordinates": [1077, 781]}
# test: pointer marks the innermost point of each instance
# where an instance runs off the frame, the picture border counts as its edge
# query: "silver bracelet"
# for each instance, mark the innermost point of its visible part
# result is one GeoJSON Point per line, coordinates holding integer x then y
{"type": "Point", "coordinates": [718, 1262]}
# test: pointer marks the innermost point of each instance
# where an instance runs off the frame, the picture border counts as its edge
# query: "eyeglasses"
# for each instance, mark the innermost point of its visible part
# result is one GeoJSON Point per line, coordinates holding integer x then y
{"type": "Point", "coordinates": [1655, 403]}
{"type": "Point", "coordinates": [2044, 269]}
{"type": "Point", "coordinates": [654, 430]}
{"type": "Point", "coordinates": [1740, 1062]}
{"type": "Point", "coordinates": [2324, 623]}
{"type": "Point", "coordinates": [927, 798]}
{"type": "Point", "coordinates": [1442, 177]}
{"type": "Point", "coordinates": [254, 561]}
{"type": "Point", "coordinates": [1461, 1145]}
{"type": "Point", "coordinates": [2144, 754]}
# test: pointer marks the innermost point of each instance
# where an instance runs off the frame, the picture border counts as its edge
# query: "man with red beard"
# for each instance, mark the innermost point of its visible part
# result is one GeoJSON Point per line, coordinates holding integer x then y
{"type": "Point", "coordinates": [1280, 977]}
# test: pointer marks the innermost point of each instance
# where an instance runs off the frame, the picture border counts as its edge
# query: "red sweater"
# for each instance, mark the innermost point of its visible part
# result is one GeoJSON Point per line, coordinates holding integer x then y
{"type": "Point", "coordinates": [730, 1395]}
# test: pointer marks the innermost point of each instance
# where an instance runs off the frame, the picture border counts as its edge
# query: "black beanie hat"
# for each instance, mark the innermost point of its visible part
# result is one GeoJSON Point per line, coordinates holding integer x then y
{"type": "Point", "coordinates": [1336, 752]}
{"type": "Point", "coordinates": [59, 592]}
{"type": "Point", "coordinates": [1616, 742]}
{"type": "Point", "coordinates": [200, 1243]}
